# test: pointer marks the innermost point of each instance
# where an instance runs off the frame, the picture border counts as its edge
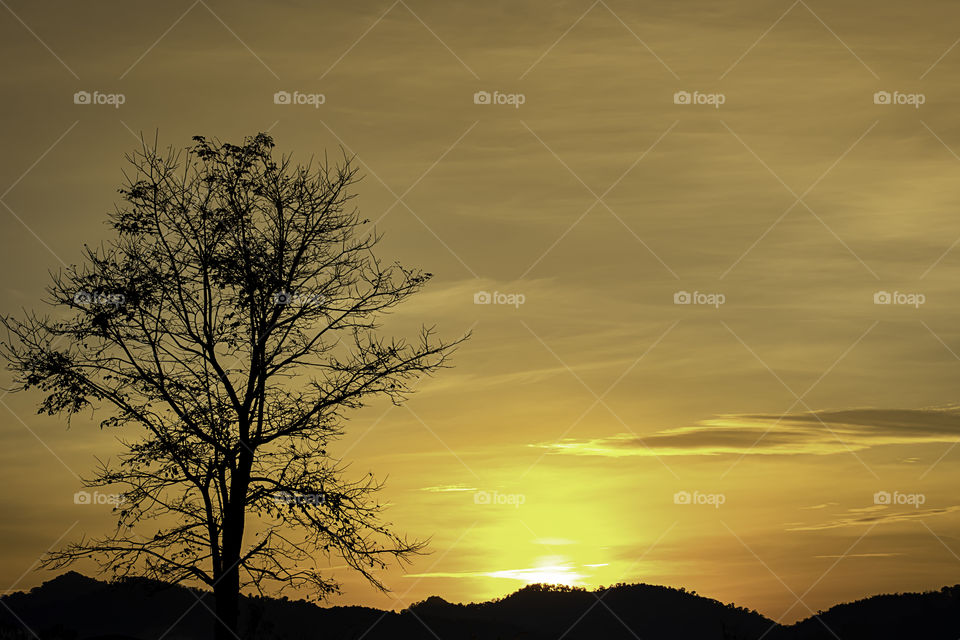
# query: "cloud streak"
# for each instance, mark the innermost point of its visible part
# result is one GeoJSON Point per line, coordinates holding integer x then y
{"type": "Point", "coordinates": [809, 433]}
{"type": "Point", "coordinates": [879, 516]}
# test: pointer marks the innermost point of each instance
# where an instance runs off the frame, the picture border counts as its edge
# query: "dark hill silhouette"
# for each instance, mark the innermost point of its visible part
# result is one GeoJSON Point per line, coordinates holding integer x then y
{"type": "Point", "coordinates": [75, 607]}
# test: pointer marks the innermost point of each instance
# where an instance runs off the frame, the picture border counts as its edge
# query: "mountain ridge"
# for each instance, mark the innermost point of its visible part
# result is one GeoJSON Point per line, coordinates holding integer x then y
{"type": "Point", "coordinates": [72, 606]}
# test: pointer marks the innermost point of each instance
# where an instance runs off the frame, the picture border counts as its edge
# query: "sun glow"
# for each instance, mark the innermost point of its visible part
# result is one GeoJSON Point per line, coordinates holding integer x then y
{"type": "Point", "coordinates": [548, 570]}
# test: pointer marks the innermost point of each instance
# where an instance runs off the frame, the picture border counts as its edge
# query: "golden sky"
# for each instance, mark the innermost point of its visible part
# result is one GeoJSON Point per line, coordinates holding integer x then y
{"type": "Point", "coordinates": [630, 154]}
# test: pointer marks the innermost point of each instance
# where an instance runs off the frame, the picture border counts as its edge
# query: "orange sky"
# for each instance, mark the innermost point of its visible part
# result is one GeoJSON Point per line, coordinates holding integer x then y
{"type": "Point", "coordinates": [781, 400]}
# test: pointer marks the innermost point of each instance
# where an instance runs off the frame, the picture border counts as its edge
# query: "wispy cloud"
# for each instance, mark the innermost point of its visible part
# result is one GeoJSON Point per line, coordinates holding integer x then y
{"type": "Point", "coordinates": [554, 574]}
{"type": "Point", "coordinates": [448, 488]}
{"type": "Point", "coordinates": [860, 555]}
{"type": "Point", "coordinates": [878, 516]}
{"type": "Point", "coordinates": [812, 433]}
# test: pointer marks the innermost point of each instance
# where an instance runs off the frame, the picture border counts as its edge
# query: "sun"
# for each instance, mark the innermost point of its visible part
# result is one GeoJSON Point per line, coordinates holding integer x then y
{"type": "Point", "coordinates": [546, 570]}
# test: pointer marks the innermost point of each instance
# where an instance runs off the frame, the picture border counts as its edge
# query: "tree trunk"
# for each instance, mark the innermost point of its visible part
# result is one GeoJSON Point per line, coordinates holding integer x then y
{"type": "Point", "coordinates": [227, 588]}
{"type": "Point", "coordinates": [226, 595]}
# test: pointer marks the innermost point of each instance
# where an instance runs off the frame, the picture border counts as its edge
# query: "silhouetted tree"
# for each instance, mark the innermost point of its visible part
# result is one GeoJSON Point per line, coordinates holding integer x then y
{"type": "Point", "coordinates": [233, 317]}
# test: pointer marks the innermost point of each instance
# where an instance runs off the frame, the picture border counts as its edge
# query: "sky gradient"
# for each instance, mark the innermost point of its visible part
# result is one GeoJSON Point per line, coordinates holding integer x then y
{"type": "Point", "coordinates": [589, 403]}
